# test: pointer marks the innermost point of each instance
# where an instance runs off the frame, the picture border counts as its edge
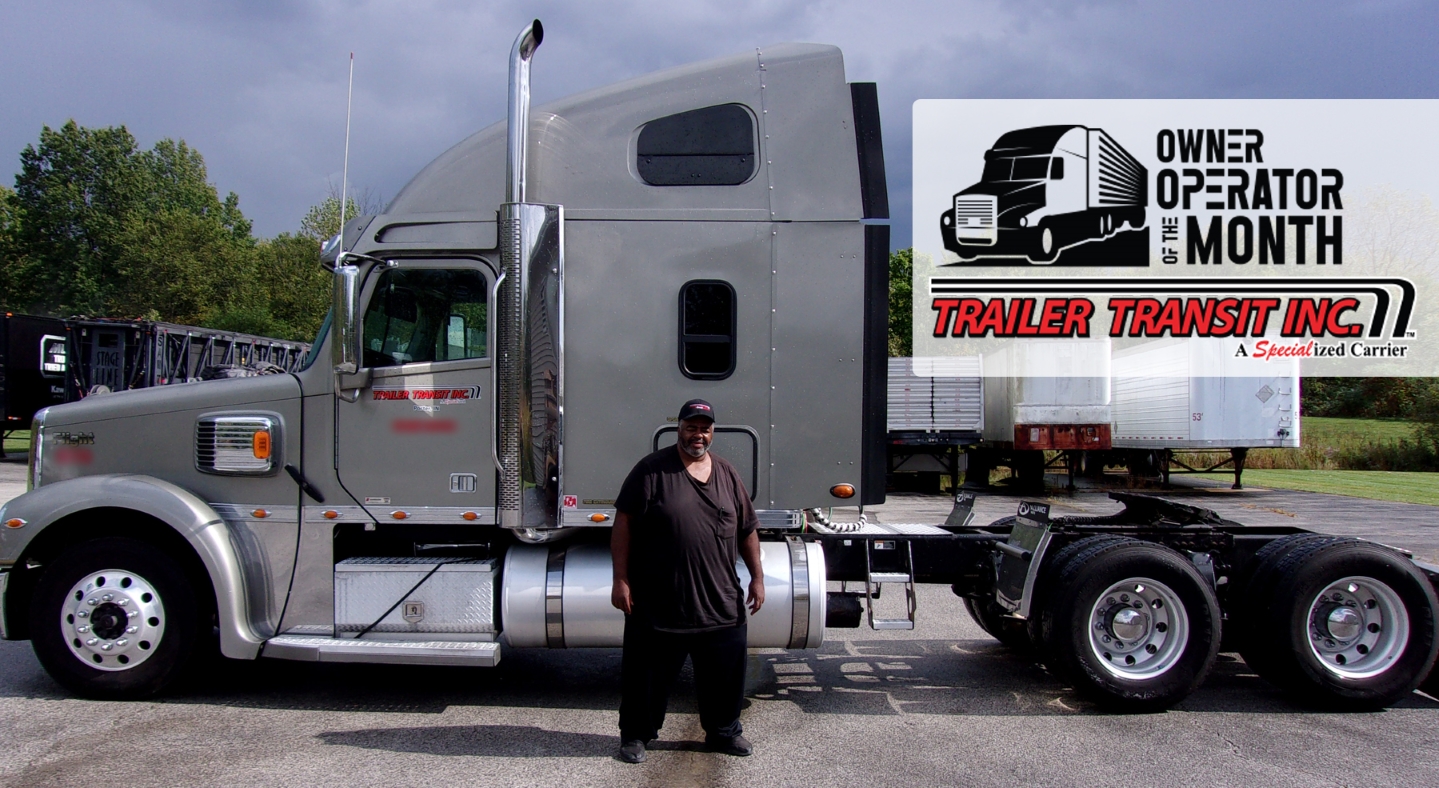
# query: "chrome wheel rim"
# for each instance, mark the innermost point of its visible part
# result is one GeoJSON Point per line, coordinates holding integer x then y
{"type": "Point", "coordinates": [1138, 629]}
{"type": "Point", "coordinates": [1046, 240]}
{"type": "Point", "coordinates": [112, 620]}
{"type": "Point", "coordinates": [1357, 627]}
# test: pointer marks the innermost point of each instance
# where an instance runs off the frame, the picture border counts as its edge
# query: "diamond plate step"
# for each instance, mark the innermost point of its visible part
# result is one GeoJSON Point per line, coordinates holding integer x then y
{"type": "Point", "coordinates": [434, 652]}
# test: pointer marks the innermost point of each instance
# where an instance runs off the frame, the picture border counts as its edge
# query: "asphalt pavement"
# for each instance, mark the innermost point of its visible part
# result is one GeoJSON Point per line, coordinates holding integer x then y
{"type": "Point", "coordinates": [941, 705]}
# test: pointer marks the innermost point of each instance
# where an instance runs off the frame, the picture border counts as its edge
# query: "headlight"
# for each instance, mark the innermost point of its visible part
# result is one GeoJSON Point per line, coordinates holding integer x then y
{"type": "Point", "coordinates": [37, 449]}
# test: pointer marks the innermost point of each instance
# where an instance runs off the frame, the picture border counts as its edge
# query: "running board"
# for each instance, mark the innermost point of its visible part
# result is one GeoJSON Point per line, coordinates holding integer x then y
{"type": "Point", "coordinates": [388, 652]}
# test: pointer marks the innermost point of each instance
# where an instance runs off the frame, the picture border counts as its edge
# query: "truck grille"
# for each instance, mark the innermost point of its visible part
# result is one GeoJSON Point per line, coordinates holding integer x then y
{"type": "Point", "coordinates": [227, 445]}
{"type": "Point", "coordinates": [974, 218]}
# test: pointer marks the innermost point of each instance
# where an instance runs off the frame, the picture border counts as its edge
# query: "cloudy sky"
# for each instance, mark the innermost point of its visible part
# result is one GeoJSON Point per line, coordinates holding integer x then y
{"type": "Point", "coordinates": [259, 86]}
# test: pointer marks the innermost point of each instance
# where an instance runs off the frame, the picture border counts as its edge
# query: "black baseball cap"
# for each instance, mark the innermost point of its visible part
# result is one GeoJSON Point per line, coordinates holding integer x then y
{"type": "Point", "coordinates": [697, 409]}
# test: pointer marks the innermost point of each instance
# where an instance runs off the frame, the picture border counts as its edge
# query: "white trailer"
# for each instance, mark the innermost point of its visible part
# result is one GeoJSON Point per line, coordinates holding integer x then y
{"type": "Point", "coordinates": [1175, 394]}
{"type": "Point", "coordinates": [1167, 396]}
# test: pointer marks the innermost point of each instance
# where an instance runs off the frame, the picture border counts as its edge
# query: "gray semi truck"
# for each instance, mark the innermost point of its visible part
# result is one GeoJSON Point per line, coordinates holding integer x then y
{"type": "Point", "coordinates": [1045, 189]}
{"type": "Point", "coordinates": [437, 483]}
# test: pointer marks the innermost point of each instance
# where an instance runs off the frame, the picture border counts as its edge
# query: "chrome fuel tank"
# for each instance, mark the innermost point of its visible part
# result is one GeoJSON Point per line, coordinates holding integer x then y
{"type": "Point", "coordinates": [558, 596]}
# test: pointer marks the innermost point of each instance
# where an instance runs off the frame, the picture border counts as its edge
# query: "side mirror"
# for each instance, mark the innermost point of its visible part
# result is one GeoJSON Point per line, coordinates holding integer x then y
{"type": "Point", "coordinates": [345, 347]}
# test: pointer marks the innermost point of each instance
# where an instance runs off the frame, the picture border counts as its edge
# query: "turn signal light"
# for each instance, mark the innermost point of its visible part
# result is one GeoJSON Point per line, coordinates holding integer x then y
{"type": "Point", "coordinates": [470, 516]}
{"type": "Point", "coordinates": [330, 514]}
{"type": "Point", "coordinates": [599, 517]}
{"type": "Point", "coordinates": [260, 444]}
{"type": "Point", "coordinates": [260, 513]}
{"type": "Point", "coordinates": [399, 515]}
{"type": "Point", "coordinates": [14, 522]}
{"type": "Point", "coordinates": [842, 491]}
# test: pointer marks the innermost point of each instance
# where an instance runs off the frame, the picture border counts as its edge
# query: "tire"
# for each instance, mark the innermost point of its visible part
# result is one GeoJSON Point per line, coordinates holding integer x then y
{"type": "Point", "coordinates": [1431, 684]}
{"type": "Point", "coordinates": [1341, 623]}
{"type": "Point", "coordinates": [150, 620]}
{"type": "Point", "coordinates": [1132, 626]}
{"type": "Point", "coordinates": [992, 618]}
{"type": "Point", "coordinates": [1046, 244]}
{"type": "Point", "coordinates": [1256, 580]}
{"type": "Point", "coordinates": [1045, 583]}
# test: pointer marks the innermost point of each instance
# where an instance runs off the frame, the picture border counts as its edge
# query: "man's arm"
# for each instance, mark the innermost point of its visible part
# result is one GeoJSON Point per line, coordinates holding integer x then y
{"type": "Point", "coordinates": [620, 555]}
{"type": "Point", "coordinates": [749, 551]}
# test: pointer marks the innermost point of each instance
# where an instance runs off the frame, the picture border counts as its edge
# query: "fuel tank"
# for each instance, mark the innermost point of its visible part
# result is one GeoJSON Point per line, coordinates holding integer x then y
{"type": "Point", "coordinates": [558, 596]}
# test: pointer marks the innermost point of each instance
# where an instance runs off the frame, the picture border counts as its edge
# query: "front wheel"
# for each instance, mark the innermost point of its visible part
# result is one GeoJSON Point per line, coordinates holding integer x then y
{"type": "Point", "coordinates": [1045, 245]}
{"type": "Point", "coordinates": [1132, 625]}
{"type": "Point", "coordinates": [114, 618]}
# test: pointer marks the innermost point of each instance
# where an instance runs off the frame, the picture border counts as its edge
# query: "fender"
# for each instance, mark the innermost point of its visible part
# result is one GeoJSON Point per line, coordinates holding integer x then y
{"type": "Point", "coordinates": [175, 506]}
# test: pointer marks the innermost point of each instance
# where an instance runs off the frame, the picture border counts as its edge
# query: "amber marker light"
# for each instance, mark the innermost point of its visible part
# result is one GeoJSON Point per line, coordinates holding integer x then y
{"type": "Point", "coordinates": [599, 517]}
{"type": "Point", "coordinates": [842, 491]}
{"type": "Point", "coordinates": [470, 516]}
{"type": "Point", "coordinates": [260, 444]}
{"type": "Point", "coordinates": [399, 515]}
{"type": "Point", "coordinates": [14, 522]}
{"type": "Point", "coordinates": [330, 514]}
{"type": "Point", "coordinates": [260, 513]}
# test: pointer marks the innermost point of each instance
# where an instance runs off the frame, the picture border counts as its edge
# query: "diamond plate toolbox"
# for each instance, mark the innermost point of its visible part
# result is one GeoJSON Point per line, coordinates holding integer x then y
{"type": "Point", "coordinates": [459, 598]}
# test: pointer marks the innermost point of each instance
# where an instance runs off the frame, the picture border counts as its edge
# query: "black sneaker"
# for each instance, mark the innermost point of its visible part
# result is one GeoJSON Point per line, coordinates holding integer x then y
{"type": "Point", "coordinates": [737, 745]}
{"type": "Point", "coordinates": [632, 751]}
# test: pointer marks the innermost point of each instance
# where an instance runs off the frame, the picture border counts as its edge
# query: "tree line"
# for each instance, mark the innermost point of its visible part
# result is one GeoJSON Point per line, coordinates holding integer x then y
{"type": "Point", "coordinates": [96, 226]}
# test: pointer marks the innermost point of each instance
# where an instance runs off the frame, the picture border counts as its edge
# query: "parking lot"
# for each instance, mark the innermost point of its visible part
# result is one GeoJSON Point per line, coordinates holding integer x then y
{"type": "Point", "coordinates": [941, 705]}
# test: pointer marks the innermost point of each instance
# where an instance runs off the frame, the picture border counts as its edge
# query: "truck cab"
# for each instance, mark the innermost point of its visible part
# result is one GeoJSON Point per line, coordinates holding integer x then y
{"type": "Point", "coordinates": [507, 339]}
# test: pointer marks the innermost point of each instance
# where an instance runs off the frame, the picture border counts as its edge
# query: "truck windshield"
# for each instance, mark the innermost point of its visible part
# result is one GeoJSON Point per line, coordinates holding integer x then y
{"type": "Point", "coordinates": [319, 340]}
{"type": "Point", "coordinates": [997, 170]}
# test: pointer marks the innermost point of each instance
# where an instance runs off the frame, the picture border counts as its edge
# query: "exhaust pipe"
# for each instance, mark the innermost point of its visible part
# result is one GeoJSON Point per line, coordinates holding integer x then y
{"type": "Point", "coordinates": [529, 364]}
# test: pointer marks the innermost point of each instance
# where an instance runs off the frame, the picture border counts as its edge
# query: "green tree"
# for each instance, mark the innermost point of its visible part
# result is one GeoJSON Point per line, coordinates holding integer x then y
{"type": "Point", "coordinates": [13, 262]}
{"type": "Point", "coordinates": [901, 302]}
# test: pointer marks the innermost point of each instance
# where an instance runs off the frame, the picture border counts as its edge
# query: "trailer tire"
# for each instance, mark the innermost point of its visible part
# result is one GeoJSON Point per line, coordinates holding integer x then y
{"type": "Point", "coordinates": [160, 616]}
{"type": "Point", "coordinates": [1010, 632]}
{"type": "Point", "coordinates": [1132, 626]}
{"type": "Point", "coordinates": [1343, 623]}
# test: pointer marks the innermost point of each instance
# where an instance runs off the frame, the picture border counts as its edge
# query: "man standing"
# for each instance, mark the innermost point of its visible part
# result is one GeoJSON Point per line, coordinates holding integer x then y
{"type": "Point", "coordinates": [683, 520]}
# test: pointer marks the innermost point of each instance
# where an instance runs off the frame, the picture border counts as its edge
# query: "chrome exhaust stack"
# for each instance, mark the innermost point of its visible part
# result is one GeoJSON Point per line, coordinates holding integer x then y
{"type": "Point", "coordinates": [529, 363]}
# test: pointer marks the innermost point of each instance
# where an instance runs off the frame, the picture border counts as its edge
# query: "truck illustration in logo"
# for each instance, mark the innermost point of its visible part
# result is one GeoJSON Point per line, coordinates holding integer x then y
{"type": "Point", "coordinates": [1046, 189]}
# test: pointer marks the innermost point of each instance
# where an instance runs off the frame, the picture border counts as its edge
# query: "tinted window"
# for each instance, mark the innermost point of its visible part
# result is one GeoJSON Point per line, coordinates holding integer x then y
{"type": "Point", "coordinates": [997, 170]}
{"type": "Point", "coordinates": [1031, 168]}
{"type": "Point", "coordinates": [707, 330]}
{"type": "Point", "coordinates": [713, 146]}
{"type": "Point", "coordinates": [425, 314]}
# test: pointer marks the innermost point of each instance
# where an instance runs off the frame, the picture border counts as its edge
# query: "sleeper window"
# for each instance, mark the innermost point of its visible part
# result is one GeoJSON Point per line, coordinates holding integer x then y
{"type": "Point", "coordinates": [426, 314]}
{"type": "Point", "coordinates": [714, 146]}
{"type": "Point", "coordinates": [707, 330]}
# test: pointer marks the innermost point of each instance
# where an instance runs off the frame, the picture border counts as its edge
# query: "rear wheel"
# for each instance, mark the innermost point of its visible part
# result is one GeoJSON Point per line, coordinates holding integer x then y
{"type": "Point", "coordinates": [1342, 623]}
{"type": "Point", "coordinates": [1132, 625]}
{"type": "Point", "coordinates": [114, 618]}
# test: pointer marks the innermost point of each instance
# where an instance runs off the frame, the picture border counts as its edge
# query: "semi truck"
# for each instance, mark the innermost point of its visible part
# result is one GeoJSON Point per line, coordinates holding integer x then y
{"type": "Point", "coordinates": [1045, 189]}
{"type": "Point", "coordinates": [437, 484]}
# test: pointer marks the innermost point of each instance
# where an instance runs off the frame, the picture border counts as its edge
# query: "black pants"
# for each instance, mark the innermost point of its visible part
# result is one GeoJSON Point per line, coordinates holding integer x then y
{"type": "Point", "coordinates": [652, 660]}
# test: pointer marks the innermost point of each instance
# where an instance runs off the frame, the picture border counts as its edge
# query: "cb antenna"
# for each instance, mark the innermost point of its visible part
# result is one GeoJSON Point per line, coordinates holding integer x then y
{"type": "Point", "coordinates": [345, 173]}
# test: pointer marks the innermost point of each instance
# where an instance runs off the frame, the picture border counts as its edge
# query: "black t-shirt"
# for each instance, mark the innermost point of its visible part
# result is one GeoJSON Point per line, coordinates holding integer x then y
{"type": "Point", "coordinates": [684, 539]}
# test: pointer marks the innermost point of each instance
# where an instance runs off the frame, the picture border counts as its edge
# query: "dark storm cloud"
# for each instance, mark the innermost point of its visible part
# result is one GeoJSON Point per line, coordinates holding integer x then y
{"type": "Point", "coordinates": [259, 87]}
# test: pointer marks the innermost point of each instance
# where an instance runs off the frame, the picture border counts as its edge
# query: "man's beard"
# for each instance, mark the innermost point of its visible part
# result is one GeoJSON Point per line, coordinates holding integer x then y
{"type": "Point", "coordinates": [695, 451]}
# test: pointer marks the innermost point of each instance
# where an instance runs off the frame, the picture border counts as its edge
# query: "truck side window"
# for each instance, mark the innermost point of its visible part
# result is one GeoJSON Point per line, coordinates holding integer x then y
{"type": "Point", "coordinates": [426, 314]}
{"type": "Point", "coordinates": [707, 330]}
{"type": "Point", "coordinates": [714, 146]}
{"type": "Point", "coordinates": [1056, 169]}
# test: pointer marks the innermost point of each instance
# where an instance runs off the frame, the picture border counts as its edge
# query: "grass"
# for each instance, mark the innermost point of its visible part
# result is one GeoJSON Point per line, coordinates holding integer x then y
{"type": "Point", "coordinates": [17, 443]}
{"type": "Point", "coordinates": [1329, 444]}
{"type": "Point", "coordinates": [1413, 487]}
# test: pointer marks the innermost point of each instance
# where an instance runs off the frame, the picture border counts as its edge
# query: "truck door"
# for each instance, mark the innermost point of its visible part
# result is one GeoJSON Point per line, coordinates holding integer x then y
{"type": "Point", "coordinates": [415, 445]}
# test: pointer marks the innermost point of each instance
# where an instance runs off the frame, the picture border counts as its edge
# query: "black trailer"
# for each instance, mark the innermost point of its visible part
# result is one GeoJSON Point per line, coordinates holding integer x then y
{"type": "Point", "coordinates": [32, 369]}
{"type": "Point", "coordinates": [117, 355]}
